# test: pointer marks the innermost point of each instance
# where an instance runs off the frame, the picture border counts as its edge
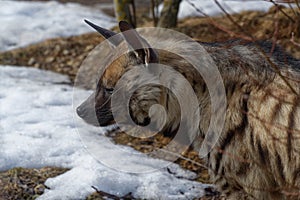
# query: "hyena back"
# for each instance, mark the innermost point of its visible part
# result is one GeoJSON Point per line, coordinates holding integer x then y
{"type": "Point", "coordinates": [258, 153]}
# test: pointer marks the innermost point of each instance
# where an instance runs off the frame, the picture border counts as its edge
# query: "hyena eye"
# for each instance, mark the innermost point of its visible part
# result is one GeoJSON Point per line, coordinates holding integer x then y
{"type": "Point", "coordinates": [109, 90]}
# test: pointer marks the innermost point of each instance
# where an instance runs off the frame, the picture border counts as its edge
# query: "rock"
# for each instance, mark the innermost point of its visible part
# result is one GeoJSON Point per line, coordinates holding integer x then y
{"type": "Point", "coordinates": [39, 189]}
{"type": "Point", "coordinates": [89, 48]}
{"type": "Point", "coordinates": [36, 65]}
{"type": "Point", "coordinates": [49, 59]}
{"type": "Point", "coordinates": [31, 61]}
{"type": "Point", "coordinates": [66, 52]}
{"type": "Point", "coordinates": [57, 48]}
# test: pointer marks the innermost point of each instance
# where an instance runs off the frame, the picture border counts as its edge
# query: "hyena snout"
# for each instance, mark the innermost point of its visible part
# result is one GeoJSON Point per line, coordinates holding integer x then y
{"type": "Point", "coordinates": [96, 111]}
{"type": "Point", "coordinates": [87, 111]}
{"type": "Point", "coordinates": [81, 111]}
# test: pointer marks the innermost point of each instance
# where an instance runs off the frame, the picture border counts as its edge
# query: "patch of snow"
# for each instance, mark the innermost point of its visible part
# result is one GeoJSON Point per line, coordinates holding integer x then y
{"type": "Point", "coordinates": [209, 7]}
{"type": "Point", "coordinates": [24, 23]}
{"type": "Point", "coordinates": [37, 129]}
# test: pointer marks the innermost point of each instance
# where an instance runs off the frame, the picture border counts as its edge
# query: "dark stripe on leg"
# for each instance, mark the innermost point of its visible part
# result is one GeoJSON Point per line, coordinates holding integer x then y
{"type": "Point", "coordinates": [276, 111]}
{"type": "Point", "coordinates": [291, 126]}
{"type": "Point", "coordinates": [280, 166]}
{"type": "Point", "coordinates": [219, 156]}
{"type": "Point", "coordinates": [243, 168]}
{"type": "Point", "coordinates": [230, 134]}
{"type": "Point", "coordinates": [251, 137]}
{"type": "Point", "coordinates": [263, 153]}
{"type": "Point", "coordinates": [296, 175]}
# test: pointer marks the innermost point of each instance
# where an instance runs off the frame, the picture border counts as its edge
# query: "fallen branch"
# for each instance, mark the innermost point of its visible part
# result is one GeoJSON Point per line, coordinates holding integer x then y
{"type": "Point", "coordinates": [111, 196]}
{"type": "Point", "coordinates": [293, 40]}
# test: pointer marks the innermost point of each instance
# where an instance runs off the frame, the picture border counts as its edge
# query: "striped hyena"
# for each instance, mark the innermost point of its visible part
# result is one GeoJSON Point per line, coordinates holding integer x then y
{"type": "Point", "coordinates": [257, 155]}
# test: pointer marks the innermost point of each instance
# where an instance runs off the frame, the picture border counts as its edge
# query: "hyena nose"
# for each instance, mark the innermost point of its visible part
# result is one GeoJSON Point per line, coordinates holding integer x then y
{"type": "Point", "coordinates": [80, 112]}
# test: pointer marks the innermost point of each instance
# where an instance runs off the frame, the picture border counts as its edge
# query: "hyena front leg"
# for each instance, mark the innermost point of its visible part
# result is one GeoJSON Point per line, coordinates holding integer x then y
{"type": "Point", "coordinates": [229, 193]}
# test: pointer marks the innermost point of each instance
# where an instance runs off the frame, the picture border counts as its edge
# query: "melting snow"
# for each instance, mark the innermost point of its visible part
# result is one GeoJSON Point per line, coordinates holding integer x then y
{"type": "Point", "coordinates": [24, 23]}
{"type": "Point", "coordinates": [38, 129]}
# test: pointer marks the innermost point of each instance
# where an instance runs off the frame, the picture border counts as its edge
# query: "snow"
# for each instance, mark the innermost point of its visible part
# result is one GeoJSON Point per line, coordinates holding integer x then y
{"type": "Point", "coordinates": [24, 23]}
{"type": "Point", "coordinates": [210, 8]}
{"type": "Point", "coordinates": [40, 128]}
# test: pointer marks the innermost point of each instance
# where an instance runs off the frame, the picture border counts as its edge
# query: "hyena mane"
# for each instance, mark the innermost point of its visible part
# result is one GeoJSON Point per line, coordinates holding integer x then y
{"type": "Point", "coordinates": [257, 155]}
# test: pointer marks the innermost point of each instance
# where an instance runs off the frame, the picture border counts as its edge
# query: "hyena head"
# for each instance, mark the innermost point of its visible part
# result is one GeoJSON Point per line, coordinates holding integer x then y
{"type": "Point", "coordinates": [97, 109]}
{"type": "Point", "coordinates": [167, 118]}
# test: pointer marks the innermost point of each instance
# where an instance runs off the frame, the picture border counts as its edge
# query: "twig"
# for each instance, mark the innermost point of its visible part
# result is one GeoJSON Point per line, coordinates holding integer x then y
{"type": "Point", "coordinates": [274, 66]}
{"type": "Point", "coordinates": [222, 28]}
{"type": "Point", "coordinates": [275, 35]}
{"type": "Point", "coordinates": [133, 16]}
{"type": "Point", "coordinates": [154, 12]}
{"type": "Point", "coordinates": [293, 40]}
{"type": "Point", "coordinates": [282, 11]}
{"type": "Point", "coordinates": [111, 196]}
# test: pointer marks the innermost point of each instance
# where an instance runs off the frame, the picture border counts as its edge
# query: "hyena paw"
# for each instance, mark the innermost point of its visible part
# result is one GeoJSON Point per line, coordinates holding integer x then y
{"type": "Point", "coordinates": [240, 195]}
{"type": "Point", "coordinates": [212, 193]}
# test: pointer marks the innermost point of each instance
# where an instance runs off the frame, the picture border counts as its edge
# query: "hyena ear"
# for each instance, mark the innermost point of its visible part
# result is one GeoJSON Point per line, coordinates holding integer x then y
{"type": "Point", "coordinates": [106, 33]}
{"type": "Point", "coordinates": [141, 47]}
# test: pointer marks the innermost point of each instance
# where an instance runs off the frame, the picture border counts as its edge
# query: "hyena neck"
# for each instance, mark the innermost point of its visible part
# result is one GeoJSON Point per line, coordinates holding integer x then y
{"type": "Point", "coordinates": [243, 70]}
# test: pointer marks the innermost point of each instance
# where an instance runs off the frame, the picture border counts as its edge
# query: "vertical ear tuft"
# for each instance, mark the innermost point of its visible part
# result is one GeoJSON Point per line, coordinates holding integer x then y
{"type": "Point", "coordinates": [125, 26]}
{"type": "Point", "coordinates": [105, 33]}
{"type": "Point", "coordinates": [141, 47]}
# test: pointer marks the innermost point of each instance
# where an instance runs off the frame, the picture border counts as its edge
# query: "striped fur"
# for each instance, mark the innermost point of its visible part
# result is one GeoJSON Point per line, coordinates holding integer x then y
{"type": "Point", "coordinates": [258, 153]}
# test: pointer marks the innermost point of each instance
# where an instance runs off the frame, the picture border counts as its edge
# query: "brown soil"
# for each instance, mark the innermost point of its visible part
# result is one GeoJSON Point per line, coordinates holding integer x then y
{"type": "Point", "coordinates": [64, 55]}
{"type": "Point", "coordinates": [20, 183]}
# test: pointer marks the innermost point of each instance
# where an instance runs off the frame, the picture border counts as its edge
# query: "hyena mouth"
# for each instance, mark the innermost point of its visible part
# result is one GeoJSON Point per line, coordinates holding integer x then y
{"type": "Point", "coordinates": [93, 117]}
{"type": "Point", "coordinates": [105, 121]}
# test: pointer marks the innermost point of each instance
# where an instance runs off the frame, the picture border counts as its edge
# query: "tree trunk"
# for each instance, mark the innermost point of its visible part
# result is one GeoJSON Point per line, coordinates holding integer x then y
{"type": "Point", "coordinates": [154, 11]}
{"type": "Point", "coordinates": [125, 11]}
{"type": "Point", "coordinates": [168, 18]}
